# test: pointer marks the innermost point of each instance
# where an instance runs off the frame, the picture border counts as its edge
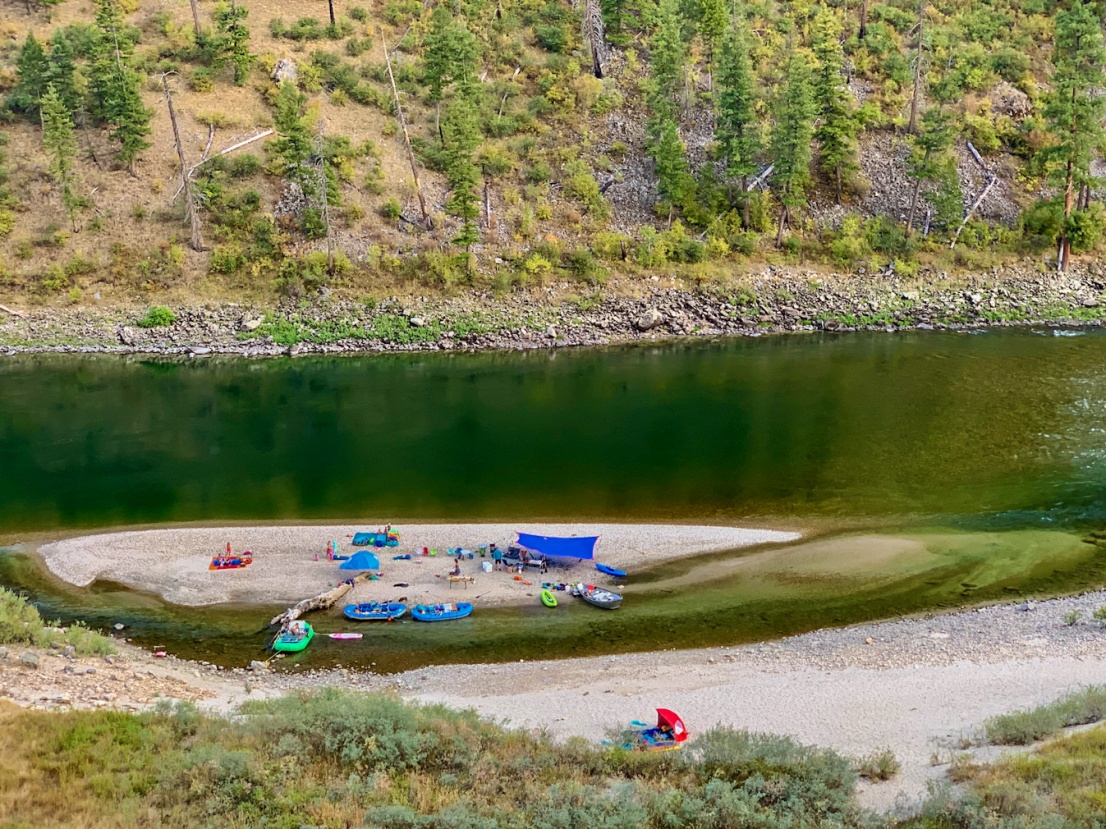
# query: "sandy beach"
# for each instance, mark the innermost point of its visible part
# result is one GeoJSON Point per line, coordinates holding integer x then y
{"type": "Point", "coordinates": [173, 562]}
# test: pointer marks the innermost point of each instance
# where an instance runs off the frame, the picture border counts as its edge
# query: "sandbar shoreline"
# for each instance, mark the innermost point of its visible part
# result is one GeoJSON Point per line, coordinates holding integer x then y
{"type": "Point", "coordinates": [172, 562]}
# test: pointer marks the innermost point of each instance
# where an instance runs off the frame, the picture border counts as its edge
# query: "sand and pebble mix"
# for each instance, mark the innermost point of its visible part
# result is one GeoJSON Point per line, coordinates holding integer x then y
{"type": "Point", "coordinates": [173, 562]}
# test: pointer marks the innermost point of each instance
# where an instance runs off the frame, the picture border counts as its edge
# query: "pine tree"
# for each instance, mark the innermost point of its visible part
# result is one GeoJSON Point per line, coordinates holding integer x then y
{"type": "Point", "coordinates": [1074, 109]}
{"type": "Point", "coordinates": [791, 141]}
{"type": "Point", "coordinates": [115, 84]}
{"type": "Point", "coordinates": [234, 40]}
{"type": "Point", "coordinates": [713, 19]}
{"type": "Point", "coordinates": [461, 131]}
{"type": "Point", "coordinates": [668, 54]}
{"type": "Point", "coordinates": [57, 138]}
{"type": "Point", "coordinates": [837, 126]}
{"type": "Point", "coordinates": [668, 57]}
{"type": "Point", "coordinates": [450, 53]}
{"type": "Point", "coordinates": [31, 71]}
{"type": "Point", "coordinates": [932, 162]}
{"type": "Point", "coordinates": [62, 72]}
{"type": "Point", "coordinates": [737, 132]}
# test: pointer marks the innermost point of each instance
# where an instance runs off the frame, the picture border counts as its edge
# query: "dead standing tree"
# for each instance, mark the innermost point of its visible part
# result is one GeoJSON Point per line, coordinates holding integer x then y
{"type": "Point", "coordinates": [426, 220]}
{"type": "Point", "coordinates": [196, 241]}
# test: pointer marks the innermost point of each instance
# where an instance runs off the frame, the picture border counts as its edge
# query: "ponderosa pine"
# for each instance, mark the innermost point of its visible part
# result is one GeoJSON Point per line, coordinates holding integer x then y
{"type": "Point", "coordinates": [1074, 108]}
{"type": "Point", "coordinates": [791, 142]}
{"type": "Point", "coordinates": [837, 124]}
{"type": "Point", "coordinates": [738, 130]}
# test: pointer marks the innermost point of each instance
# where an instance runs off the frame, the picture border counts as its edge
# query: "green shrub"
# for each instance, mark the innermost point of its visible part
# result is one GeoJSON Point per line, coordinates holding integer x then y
{"type": "Point", "coordinates": [21, 624]}
{"type": "Point", "coordinates": [158, 316]}
{"type": "Point", "coordinates": [815, 782]}
{"type": "Point", "coordinates": [879, 765]}
{"type": "Point", "coordinates": [1086, 705]}
{"type": "Point", "coordinates": [7, 222]}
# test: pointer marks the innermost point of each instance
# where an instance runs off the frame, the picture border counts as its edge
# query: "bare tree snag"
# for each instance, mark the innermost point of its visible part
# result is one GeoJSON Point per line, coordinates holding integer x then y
{"type": "Point", "coordinates": [489, 219]}
{"type": "Point", "coordinates": [320, 602]}
{"type": "Point", "coordinates": [236, 146]}
{"type": "Point", "coordinates": [195, 15]}
{"type": "Point", "coordinates": [326, 212]}
{"type": "Point", "coordinates": [912, 126]}
{"type": "Point", "coordinates": [863, 20]}
{"type": "Point", "coordinates": [991, 180]}
{"type": "Point", "coordinates": [329, 3]}
{"type": "Point", "coordinates": [196, 241]}
{"type": "Point", "coordinates": [406, 136]}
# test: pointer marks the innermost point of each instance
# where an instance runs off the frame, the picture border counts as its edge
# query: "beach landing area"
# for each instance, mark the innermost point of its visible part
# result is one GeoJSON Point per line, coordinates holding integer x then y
{"type": "Point", "coordinates": [173, 562]}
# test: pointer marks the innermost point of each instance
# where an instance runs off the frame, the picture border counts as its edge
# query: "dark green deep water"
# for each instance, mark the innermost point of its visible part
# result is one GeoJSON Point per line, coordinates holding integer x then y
{"type": "Point", "coordinates": [981, 433]}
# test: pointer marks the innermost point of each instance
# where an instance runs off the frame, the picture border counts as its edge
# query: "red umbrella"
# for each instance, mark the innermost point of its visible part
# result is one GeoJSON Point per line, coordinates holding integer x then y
{"type": "Point", "coordinates": [673, 721]}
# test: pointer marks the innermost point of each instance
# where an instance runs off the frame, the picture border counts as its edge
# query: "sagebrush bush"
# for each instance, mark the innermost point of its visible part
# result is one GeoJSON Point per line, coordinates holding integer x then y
{"type": "Point", "coordinates": [1081, 707]}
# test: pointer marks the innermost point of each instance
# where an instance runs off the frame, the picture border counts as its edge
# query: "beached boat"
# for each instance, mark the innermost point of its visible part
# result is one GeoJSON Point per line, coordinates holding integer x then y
{"type": "Point", "coordinates": [598, 596]}
{"type": "Point", "coordinates": [611, 571]}
{"type": "Point", "coordinates": [548, 599]}
{"type": "Point", "coordinates": [374, 611]}
{"type": "Point", "coordinates": [295, 639]}
{"type": "Point", "coordinates": [441, 612]}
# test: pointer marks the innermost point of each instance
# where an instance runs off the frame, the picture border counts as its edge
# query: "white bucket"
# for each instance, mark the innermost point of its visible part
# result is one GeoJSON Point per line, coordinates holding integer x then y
{"type": "Point", "coordinates": [487, 565]}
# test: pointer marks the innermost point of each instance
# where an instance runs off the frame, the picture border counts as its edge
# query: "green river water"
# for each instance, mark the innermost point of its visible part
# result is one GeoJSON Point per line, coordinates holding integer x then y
{"type": "Point", "coordinates": [928, 469]}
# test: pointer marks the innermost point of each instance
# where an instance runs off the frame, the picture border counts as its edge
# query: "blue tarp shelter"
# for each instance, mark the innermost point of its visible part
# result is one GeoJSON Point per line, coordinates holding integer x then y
{"type": "Point", "coordinates": [361, 561]}
{"type": "Point", "coordinates": [552, 546]}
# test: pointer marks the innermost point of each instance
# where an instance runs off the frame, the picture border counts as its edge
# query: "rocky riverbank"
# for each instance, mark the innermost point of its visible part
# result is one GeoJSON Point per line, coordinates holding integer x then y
{"type": "Point", "coordinates": [768, 301]}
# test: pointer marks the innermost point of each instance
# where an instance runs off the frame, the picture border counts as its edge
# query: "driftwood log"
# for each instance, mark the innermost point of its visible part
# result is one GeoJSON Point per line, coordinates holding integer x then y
{"type": "Point", "coordinates": [321, 602]}
{"type": "Point", "coordinates": [12, 311]}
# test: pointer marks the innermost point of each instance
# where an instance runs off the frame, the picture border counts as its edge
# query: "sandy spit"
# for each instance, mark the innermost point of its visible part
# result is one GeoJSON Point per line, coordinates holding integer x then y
{"type": "Point", "coordinates": [173, 562]}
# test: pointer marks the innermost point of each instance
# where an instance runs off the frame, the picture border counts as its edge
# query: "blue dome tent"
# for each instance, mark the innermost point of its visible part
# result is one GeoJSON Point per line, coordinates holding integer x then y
{"type": "Point", "coordinates": [361, 561]}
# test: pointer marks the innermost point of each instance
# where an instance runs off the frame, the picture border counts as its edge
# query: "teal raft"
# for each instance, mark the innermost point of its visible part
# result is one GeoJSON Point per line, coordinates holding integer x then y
{"type": "Point", "coordinates": [295, 639]}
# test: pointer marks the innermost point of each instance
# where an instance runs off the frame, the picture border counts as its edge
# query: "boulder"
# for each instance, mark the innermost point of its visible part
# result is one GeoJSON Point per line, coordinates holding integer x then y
{"type": "Point", "coordinates": [126, 335]}
{"type": "Point", "coordinates": [3, 654]}
{"type": "Point", "coordinates": [29, 660]}
{"type": "Point", "coordinates": [648, 320]}
{"type": "Point", "coordinates": [417, 322]}
{"type": "Point", "coordinates": [250, 324]}
{"type": "Point", "coordinates": [255, 665]}
{"type": "Point", "coordinates": [285, 70]}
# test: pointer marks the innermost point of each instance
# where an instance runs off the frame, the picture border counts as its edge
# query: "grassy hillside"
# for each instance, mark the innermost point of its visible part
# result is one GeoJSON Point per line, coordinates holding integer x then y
{"type": "Point", "coordinates": [557, 174]}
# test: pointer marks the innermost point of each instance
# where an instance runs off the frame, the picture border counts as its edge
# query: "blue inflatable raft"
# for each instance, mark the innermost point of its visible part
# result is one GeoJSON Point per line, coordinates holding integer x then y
{"type": "Point", "coordinates": [374, 611]}
{"type": "Point", "coordinates": [441, 612]}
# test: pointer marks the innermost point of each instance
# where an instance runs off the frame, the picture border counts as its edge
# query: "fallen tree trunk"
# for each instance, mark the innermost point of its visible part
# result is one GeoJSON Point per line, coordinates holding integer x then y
{"type": "Point", "coordinates": [12, 311]}
{"type": "Point", "coordinates": [321, 602]}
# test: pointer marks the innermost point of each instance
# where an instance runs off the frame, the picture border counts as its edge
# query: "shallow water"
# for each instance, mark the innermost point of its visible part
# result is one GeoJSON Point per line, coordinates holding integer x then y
{"type": "Point", "coordinates": [983, 450]}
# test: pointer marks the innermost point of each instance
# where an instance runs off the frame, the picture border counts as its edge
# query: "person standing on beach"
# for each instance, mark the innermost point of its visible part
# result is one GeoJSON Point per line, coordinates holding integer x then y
{"type": "Point", "coordinates": [497, 557]}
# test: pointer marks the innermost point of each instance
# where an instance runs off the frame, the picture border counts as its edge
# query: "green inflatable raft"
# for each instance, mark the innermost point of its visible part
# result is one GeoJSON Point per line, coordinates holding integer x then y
{"type": "Point", "coordinates": [295, 639]}
{"type": "Point", "coordinates": [548, 599]}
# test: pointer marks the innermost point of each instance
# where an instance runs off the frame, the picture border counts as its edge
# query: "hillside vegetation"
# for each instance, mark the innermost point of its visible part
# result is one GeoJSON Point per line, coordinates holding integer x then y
{"type": "Point", "coordinates": [419, 146]}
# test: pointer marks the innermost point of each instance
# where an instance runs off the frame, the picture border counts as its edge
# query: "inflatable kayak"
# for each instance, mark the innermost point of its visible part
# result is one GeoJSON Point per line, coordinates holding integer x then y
{"type": "Point", "coordinates": [374, 611]}
{"type": "Point", "coordinates": [441, 612]}
{"type": "Point", "coordinates": [548, 599]}
{"type": "Point", "coordinates": [611, 571]}
{"type": "Point", "coordinates": [295, 640]}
